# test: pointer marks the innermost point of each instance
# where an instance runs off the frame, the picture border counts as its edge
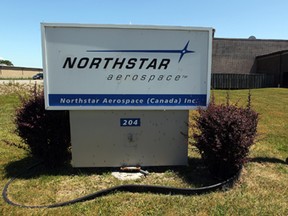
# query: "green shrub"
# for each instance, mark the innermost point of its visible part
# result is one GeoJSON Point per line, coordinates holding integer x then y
{"type": "Point", "coordinates": [224, 135]}
{"type": "Point", "coordinates": [47, 133]}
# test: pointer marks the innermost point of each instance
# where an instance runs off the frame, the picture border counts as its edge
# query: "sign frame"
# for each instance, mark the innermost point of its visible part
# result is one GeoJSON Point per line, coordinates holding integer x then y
{"type": "Point", "coordinates": [146, 101]}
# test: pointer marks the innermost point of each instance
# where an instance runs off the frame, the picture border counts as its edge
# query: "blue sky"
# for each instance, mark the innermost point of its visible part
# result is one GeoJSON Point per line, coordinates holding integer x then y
{"type": "Point", "coordinates": [20, 35]}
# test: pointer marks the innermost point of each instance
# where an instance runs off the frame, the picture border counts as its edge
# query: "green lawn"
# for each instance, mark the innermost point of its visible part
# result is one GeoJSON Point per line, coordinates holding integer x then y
{"type": "Point", "coordinates": [262, 189]}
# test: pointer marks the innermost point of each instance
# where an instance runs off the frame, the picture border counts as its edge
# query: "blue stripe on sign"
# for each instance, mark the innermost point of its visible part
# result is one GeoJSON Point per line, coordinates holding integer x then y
{"type": "Point", "coordinates": [127, 100]}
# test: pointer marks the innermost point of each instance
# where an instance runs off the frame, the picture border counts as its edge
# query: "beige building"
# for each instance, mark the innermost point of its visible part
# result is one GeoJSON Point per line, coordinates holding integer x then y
{"type": "Point", "coordinates": [18, 72]}
{"type": "Point", "coordinates": [237, 56]}
{"type": "Point", "coordinates": [249, 63]}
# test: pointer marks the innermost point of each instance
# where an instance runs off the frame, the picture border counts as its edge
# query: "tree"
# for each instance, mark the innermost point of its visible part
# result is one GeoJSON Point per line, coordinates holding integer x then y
{"type": "Point", "coordinates": [6, 62]}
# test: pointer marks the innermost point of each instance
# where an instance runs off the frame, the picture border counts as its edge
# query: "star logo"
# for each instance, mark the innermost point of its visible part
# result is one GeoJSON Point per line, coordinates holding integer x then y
{"type": "Point", "coordinates": [182, 52]}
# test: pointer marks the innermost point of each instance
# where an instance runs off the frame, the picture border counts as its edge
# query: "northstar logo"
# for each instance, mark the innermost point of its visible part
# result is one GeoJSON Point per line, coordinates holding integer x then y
{"type": "Point", "coordinates": [124, 63]}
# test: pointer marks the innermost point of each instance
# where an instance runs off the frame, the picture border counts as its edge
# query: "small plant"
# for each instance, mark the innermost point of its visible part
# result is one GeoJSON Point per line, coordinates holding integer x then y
{"type": "Point", "coordinates": [47, 133]}
{"type": "Point", "coordinates": [224, 135]}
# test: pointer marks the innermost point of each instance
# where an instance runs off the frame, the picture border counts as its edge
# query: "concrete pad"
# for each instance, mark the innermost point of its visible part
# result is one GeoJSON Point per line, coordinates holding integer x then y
{"type": "Point", "coordinates": [128, 175]}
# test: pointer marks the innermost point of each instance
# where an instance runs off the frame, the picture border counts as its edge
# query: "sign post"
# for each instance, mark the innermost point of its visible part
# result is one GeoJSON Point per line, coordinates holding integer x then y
{"type": "Point", "coordinates": [129, 89]}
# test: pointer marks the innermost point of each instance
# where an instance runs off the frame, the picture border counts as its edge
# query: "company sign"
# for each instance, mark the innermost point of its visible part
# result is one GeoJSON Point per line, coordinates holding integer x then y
{"type": "Point", "coordinates": [113, 67]}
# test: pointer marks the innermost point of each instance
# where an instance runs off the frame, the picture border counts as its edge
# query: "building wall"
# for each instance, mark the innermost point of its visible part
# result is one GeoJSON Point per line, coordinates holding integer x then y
{"type": "Point", "coordinates": [18, 72]}
{"type": "Point", "coordinates": [274, 64]}
{"type": "Point", "coordinates": [237, 56]}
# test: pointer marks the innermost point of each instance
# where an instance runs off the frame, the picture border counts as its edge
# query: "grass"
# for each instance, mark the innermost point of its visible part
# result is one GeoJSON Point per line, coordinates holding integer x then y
{"type": "Point", "coordinates": [262, 190]}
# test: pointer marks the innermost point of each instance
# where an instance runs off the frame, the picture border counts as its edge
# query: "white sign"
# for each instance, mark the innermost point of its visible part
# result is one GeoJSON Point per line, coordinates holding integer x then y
{"type": "Point", "coordinates": [120, 67]}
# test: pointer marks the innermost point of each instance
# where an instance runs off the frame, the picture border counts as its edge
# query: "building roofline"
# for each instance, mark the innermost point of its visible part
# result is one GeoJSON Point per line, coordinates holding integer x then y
{"type": "Point", "coordinates": [281, 52]}
{"type": "Point", "coordinates": [254, 40]}
{"type": "Point", "coordinates": [19, 68]}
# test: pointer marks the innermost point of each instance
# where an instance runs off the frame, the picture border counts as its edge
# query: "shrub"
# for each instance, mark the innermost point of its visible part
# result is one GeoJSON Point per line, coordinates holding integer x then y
{"type": "Point", "coordinates": [225, 134]}
{"type": "Point", "coordinates": [47, 133]}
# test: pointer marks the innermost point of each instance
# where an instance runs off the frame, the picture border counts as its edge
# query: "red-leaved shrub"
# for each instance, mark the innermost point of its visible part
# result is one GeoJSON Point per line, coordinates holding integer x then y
{"type": "Point", "coordinates": [224, 135]}
{"type": "Point", "coordinates": [47, 133]}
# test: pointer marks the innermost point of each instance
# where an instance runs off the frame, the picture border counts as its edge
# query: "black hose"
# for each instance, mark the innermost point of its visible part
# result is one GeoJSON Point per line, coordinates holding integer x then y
{"type": "Point", "coordinates": [128, 188]}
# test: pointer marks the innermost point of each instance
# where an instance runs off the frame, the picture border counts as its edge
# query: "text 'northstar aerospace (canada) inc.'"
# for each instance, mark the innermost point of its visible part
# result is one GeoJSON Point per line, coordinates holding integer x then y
{"type": "Point", "coordinates": [150, 100]}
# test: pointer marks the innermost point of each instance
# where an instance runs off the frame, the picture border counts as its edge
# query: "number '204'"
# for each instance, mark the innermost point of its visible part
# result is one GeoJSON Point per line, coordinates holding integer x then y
{"type": "Point", "coordinates": [130, 122]}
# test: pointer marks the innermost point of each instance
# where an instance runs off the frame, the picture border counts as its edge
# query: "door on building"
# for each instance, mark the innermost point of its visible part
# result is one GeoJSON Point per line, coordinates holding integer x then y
{"type": "Point", "coordinates": [285, 79]}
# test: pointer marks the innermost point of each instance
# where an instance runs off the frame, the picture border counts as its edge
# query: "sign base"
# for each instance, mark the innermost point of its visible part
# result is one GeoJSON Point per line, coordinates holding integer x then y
{"type": "Point", "coordinates": [129, 138]}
